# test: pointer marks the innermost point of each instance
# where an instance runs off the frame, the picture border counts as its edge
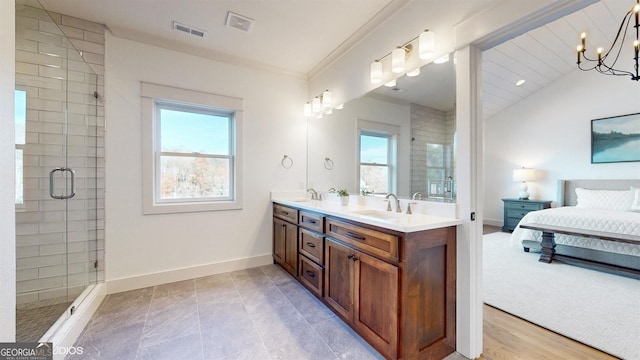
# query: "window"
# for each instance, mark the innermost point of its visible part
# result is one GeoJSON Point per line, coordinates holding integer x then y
{"type": "Point", "coordinates": [20, 119]}
{"type": "Point", "coordinates": [192, 150]}
{"type": "Point", "coordinates": [375, 164]}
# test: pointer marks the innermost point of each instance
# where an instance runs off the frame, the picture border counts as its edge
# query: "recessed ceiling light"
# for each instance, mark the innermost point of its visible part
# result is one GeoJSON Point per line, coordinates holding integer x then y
{"type": "Point", "coordinates": [520, 82]}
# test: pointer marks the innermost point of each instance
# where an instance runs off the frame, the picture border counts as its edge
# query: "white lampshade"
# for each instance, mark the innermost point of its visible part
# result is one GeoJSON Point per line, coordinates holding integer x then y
{"type": "Point", "coordinates": [326, 99]}
{"type": "Point", "coordinates": [524, 174]}
{"type": "Point", "coordinates": [426, 45]}
{"type": "Point", "coordinates": [316, 106]}
{"type": "Point", "coordinates": [307, 109]}
{"type": "Point", "coordinates": [397, 60]}
{"type": "Point", "coordinates": [376, 72]}
{"type": "Point", "coordinates": [414, 72]}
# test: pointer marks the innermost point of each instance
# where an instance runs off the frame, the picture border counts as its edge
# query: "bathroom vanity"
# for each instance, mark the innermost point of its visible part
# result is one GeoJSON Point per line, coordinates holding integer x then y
{"type": "Point", "coordinates": [390, 276]}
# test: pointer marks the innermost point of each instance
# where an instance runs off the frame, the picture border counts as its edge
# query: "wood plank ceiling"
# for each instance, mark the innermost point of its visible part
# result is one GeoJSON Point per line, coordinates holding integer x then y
{"type": "Point", "coordinates": [548, 53]}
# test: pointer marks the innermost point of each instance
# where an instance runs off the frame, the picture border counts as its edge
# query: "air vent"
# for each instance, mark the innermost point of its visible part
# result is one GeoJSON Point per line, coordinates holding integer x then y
{"type": "Point", "coordinates": [239, 22]}
{"type": "Point", "coordinates": [189, 30]}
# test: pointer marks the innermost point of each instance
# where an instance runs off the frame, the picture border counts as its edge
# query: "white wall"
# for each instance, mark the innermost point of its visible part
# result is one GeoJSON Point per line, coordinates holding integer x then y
{"type": "Point", "coordinates": [7, 177]}
{"type": "Point", "coordinates": [550, 131]}
{"type": "Point", "coordinates": [274, 125]}
{"type": "Point", "coordinates": [336, 136]}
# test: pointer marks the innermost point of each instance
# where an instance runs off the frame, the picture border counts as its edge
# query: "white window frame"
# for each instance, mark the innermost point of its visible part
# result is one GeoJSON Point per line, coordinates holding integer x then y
{"type": "Point", "coordinates": [389, 131]}
{"type": "Point", "coordinates": [155, 96]}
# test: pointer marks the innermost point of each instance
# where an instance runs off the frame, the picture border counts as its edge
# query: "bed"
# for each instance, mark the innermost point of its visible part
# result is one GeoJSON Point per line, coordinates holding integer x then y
{"type": "Point", "coordinates": [611, 206]}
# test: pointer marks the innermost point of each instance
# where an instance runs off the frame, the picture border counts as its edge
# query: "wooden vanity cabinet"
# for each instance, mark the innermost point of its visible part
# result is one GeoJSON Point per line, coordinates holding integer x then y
{"type": "Point", "coordinates": [311, 251]}
{"type": "Point", "coordinates": [363, 290]}
{"type": "Point", "coordinates": [397, 290]}
{"type": "Point", "coordinates": [285, 238]}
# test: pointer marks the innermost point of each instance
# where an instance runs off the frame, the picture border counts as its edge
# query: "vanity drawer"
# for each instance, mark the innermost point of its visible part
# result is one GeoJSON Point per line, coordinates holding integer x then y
{"type": "Point", "coordinates": [311, 244]}
{"type": "Point", "coordinates": [311, 275]}
{"type": "Point", "coordinates": [311, 221]}
{"type": "Point", "coordinates": [373, 242]}
{"type": "Point", "coordinates": [285, 213]}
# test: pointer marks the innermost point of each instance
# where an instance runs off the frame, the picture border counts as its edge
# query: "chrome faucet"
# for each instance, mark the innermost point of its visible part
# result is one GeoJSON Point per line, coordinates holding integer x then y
{"type": "Point", "coordinates": [397, 202]}
{"type": "Point", "coordinates": [314, 194]}
{"type": "Point", "coordinates": [418, 196]}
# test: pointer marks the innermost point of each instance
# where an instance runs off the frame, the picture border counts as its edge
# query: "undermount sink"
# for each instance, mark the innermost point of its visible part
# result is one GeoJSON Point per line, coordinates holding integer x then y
{"type": "Point", "coordinates": [379, 214]}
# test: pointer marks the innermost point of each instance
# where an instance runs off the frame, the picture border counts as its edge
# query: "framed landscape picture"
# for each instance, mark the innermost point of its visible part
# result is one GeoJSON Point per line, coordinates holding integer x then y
{"type": "Point", "coordinates": [615, 139]}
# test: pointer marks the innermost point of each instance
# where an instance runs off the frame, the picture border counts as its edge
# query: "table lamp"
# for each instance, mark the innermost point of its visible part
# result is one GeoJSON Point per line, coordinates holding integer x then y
{"type": "Point", "coordinates": [524, 175]}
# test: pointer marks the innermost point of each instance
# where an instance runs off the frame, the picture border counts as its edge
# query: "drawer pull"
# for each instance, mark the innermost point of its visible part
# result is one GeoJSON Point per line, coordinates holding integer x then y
{"type": "Point", "coordinates": [310, 273]}
{"type": "Point", "coordinates": [311, 221]}
{"type": "Point", "coordinates": [349, 256]}
{"type": "Point", "coordinates": [355, 236]}
{"type": "Point", "coordinates": [284, 212]}
{"type": "Point", "coordinates": [311, 245]}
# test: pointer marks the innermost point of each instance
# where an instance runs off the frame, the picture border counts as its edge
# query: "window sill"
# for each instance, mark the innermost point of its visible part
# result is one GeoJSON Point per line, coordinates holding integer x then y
{"type": "Point", "coordinates": [174, 208]}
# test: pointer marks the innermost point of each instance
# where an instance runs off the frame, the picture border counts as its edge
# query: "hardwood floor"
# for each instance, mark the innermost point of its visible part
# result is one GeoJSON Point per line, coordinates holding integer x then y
{"type": "Point", "coordinates": [509, 337]}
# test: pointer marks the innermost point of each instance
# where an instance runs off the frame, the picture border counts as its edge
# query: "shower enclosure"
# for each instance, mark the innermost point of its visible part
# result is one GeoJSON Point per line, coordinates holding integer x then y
{"type": "Point", "coordinates": [59, 172]}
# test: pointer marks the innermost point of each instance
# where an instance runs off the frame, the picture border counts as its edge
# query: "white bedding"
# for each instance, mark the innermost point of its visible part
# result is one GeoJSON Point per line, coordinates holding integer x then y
{"type": "Point", "coordinates": [621, 222]}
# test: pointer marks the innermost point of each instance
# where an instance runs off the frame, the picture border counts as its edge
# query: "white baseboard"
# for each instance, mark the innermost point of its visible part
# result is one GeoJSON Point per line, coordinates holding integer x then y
{"type": "Point", "coordinates": [498, 223]}
{"type": "Point", "coordinates": [165, 277]}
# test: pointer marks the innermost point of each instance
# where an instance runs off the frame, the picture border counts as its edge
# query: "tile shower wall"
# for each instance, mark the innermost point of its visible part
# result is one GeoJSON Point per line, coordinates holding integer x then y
{"type": "Point", "coordinates": [52, 73]}
{"type": "Point", "coordinates": [431, 126]}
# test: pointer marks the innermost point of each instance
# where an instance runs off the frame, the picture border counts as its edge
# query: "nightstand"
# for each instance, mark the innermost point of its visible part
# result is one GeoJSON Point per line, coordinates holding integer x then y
{"type": "Point", "coordinates": [515, 210]}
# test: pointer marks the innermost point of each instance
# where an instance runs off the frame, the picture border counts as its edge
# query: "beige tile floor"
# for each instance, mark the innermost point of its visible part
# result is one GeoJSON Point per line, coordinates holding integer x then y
{"type": "Point", "coordinates": [257, 313]}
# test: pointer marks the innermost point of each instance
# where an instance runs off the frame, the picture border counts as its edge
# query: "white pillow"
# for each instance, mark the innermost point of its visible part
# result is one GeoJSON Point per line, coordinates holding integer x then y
{"type": "Point", "coordinates": [618, 200]}
{"type": "Point", "coordinates": [635, 199]}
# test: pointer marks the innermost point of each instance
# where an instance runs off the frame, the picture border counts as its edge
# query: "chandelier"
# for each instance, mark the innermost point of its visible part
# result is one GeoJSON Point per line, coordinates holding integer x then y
{"type": "Point", "coordinates": [606, 61]}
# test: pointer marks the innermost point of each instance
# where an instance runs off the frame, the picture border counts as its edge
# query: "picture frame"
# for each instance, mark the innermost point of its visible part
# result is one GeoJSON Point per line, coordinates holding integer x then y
{"type": "Point", "coordinates": [615, 139]}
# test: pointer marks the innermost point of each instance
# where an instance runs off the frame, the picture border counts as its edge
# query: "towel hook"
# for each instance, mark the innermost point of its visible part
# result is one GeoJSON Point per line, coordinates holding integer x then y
{"type": "Point", "coordinates": [287, 162]}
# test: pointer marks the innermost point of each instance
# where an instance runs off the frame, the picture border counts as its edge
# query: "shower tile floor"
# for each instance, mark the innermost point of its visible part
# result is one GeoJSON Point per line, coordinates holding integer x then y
{"type": "Point", "coordinates": [257, 313]}
{"type": "Point", "coordinates": [32, 323]}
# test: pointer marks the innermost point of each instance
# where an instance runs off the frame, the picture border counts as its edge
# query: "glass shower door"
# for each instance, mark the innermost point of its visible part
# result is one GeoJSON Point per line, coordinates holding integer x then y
{"type": "Point", "coordinates": [56, 167]}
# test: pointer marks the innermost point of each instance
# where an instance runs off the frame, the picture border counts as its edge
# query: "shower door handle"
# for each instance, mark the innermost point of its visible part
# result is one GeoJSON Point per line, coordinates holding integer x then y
{"type": "Point", "coordinates": [52, 183]}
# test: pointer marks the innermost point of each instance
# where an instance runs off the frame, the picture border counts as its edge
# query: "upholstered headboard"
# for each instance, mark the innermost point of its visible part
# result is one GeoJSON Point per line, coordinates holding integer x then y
{"type": "Point", "coordinates": [567, 188]}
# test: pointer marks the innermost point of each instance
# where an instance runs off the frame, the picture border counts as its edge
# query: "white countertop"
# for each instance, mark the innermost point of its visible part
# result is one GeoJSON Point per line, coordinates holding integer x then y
{"type": "Point", "coordinates": [373, 216]}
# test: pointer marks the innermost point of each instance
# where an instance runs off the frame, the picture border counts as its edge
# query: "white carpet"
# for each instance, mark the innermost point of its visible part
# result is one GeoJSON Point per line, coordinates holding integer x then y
{"type": "Point", "coordinates": [595, 308]}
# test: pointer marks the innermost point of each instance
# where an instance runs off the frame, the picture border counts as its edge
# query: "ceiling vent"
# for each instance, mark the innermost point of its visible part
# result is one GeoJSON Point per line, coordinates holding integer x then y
{"type": "Point", "coordinates": [239, 22]}
{"type": "Point", "coordinates": [189, 30]}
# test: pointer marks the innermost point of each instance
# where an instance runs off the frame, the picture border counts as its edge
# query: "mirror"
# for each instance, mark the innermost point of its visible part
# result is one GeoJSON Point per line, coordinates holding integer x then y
{"type": "Point", "coordinates": [419, 114]}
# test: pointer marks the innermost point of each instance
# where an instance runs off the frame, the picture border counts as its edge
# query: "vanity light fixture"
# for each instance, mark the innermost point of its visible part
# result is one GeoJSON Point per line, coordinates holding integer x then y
{"type": "Point", "coordinates": [614, 50]}
{"type": "Point", "coordinates": [339, 107]}
{"type": "Point", "coordinates": [426, 50]}
{"type": "Point", "coordinates": [391, 83]}
{"type": "Point", "coordinates": [319, 104]}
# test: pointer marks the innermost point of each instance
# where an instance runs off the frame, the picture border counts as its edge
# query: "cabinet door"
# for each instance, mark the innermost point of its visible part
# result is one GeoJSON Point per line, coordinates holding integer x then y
{"type": "Point", "coordinates": [285, 245]}
{"type": "Point", "coordinates": [375, 314]}
{"type": "Point", "coordinates": [279, 236]}
{"type": "Point", "coordinates": [338, 278]}
{"type": "Point", "coordinates": [291, 249]}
